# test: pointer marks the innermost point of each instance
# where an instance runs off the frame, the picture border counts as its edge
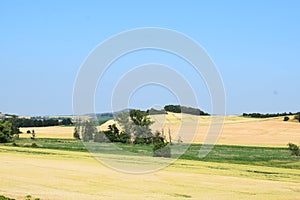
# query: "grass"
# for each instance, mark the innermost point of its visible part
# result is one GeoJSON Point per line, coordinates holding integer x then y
{"type": "Point", "coordinates": [247, 155]}
{"type": "Point", "coordinates": [5, 198]}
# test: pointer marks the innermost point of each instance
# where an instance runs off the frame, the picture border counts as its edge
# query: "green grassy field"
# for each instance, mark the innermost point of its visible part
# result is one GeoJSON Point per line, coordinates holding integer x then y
{"type": "Point", "coordinates": [247, 155]}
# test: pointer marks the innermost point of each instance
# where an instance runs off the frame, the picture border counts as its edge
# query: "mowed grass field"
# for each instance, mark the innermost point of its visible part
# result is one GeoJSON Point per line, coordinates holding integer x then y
{"type": "Point", "coordinates": [250, 162]}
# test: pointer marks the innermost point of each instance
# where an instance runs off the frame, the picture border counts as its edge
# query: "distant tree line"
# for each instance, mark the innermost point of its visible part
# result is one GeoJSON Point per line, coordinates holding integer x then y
{"type": "Point", "coordinates": [259, 115]}
{"type": "Point", "coordinates": [184, 109]}
{"type": "Point", "coordinates": [42, 122]}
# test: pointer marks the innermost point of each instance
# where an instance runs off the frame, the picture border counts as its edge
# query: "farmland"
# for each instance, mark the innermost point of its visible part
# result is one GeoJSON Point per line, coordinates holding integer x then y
{"type": "Point", "coordinates": [250, 161]}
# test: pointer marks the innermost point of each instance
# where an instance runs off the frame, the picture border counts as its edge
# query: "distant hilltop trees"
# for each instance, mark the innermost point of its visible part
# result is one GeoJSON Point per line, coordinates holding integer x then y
{"type": "Point", "coordinates": [177, 109]}
{"type": "Point", "coordinates": [259, 115]}
{"type": "Point", "coordinates": [39, 122]}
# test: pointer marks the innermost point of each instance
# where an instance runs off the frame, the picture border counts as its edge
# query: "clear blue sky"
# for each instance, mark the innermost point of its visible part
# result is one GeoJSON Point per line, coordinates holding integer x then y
{"type": "Point", "coordinates": [254, 44]}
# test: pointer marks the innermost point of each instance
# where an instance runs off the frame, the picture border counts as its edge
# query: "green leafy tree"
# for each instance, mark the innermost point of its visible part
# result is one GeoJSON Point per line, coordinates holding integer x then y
{"type": "Point", "coordinates": [160, 147]}
{"type": "Point", "coordinates": [100, 137]}
{"type": "Point", "coordinates": [140, 118]}
{"type": "Point", "coordinates": [5, 131]}
{"type": "Point", "coordinates": [124, 121]}
{"type": "Point", "coordinates": [76, 134]}
{"type": "Point", "coordinates": [88, 130]}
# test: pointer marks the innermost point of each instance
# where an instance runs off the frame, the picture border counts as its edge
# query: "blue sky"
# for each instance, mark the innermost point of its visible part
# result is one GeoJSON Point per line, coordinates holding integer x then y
{"type": "Point", "coordinates": [254, 44]}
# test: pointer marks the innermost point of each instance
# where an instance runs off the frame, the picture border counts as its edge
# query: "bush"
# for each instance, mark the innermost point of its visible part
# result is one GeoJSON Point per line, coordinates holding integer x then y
{"type": "Point", "coordinates": [15, 144]}
{"type": "Point", "coordinates": [139, 140]}
{"type": "Point", "coordinates": [295, 151]}
{"type": "Point", "coordinates": [100, 137]}
{"type": "Point", "coordinates": [28, 131]}
{"type": "Point", "coordinates": [286, 118]}
{"type": "Point", "coordinates": [5, 198]}
{"type": "Point", "coordinates": [124, 137]}
{"type": "Point", "coordinates": [161, 149]}
{"type": "Point", "coordinates": [34, 145]}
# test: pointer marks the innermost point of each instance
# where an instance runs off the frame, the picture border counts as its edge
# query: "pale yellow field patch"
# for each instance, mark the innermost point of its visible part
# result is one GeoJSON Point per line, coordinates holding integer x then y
{"type": "Point", "coordinates": [49, 132]}
{"type": "Point", "coordinates": [236, 130]}
{"type": "Point", "coordinates": [76, 175]}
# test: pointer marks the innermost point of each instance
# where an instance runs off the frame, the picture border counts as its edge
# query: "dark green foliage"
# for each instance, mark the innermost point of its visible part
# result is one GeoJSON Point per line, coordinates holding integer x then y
{"type": "Point", "coordinates": [28, 131]}
{"type": "Point", "coordinates": [113, 133]}
{"type": "Point", "coordinates": [88, 130]}
{"type": "Point", "coordinates": [295, 150]}
{"type": "Point", "coordinates": [142, 140]}
{"type": "Point", "coordinates": [112, 137]}
{"type": "Point", "coordinates": [138, 125]}
{"type": "Point", "coordinates": [140, 118]}
{"type": "Point", "coordinates": [192, 111]}
{"type": "Point", "coordinates": [14, 124]}
{"type": "Point", "coordinates": [124, 121]}
{"type": "Point", "coordinates": [286, 118]}
{"type": "Point", "coordinates": [142, 135]}
{"type": "Point", "coordinates": [124, 138]}
{"type": "Point", "coordinates": [76, 134]}
{"type": "Point", "coordinates": [297, 117]}
{"type": "Point", "coordinates": [34, 145]}
{"type": "Point", "coordinates": [259, 115]}
{"type": "Point", "coordinates": [39, 122]}
{"type": "Point", "coordinates": [153, 111]}
{"type": "Point", "coordinates": [5, 198]}
{"type": "Point", "coordinates": [32, 135]}
{"type": "Point", "coordinates": [5, 131]}
{"type": "Point", "coordinates": [173, 108]}
{"type": "Point", "coordinates": [100, 137]}
{"type": "Point", "coordinates": [184, 109]}
{"type": "Point", "coordinates": [160, 147]}
{"type": "Point", "coordinates": [66, 122]}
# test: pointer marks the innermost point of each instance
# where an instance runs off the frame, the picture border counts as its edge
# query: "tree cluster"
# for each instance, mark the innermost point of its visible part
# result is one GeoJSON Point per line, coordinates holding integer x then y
{"type": "Point", "coordinates": [135, 130]}
{"type": "Point", "coordinates": [184, 109]}
{"type": "Point", "coordinates": [259, 115]}
{"type": "Point", "coordinates": [295, 150]}
{"type": "Point", "coordinates": [23, 122]}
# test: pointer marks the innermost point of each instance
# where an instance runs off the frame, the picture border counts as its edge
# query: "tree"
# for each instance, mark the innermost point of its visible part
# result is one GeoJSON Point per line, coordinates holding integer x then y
{"type": "Point", "coordinates": [295, 150]}
{"type": "Point", "coordinates": [100, 137]}
{"type": "Point", "coordinates": [140, 118]}
{"type": "Point", "coordinates": [5, 131]}
{"type": "Point", "coordinates": [66, 121]}
{"type": "Point", "coordinates": [33, 135]}
{"type": "Point", "coordinates": [160, 147]}
{"type": "Point", "coordinates": [88, 130]}
{"type": "Point", "coordinates": [286, 118]}
{"type": "Point", "coordinates": [76, 134]}
{"type": "Point", "coordinates": [123, 120]}
{"type": "Point", "coordinates": [14, 125]}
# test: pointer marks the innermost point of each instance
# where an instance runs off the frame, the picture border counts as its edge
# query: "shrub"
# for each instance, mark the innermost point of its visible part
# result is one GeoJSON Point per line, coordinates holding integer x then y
{"type": "Point", "coordinates": [141, 140]}
{"type": "Point", "coordinates": [28, 131]}
{"type": "Point", "coordinates": [124, 137]}
{"type": "Point", "coordinates": [295, 151]}
{"type": "Point", "coordinates": [34, 145]}
{"type": "Point", "coordinates": [15, 144]}
{"type": "Point", "coordinates": [161, 149]}
{"type": "Point", "coordinates": [5, 198]}
{"type": "Point", "coordinates": [76, 134]}
{"type": "Point", "coordinates": [100, 137]}
{"type": "Point", "coordinates": [286, 118]}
